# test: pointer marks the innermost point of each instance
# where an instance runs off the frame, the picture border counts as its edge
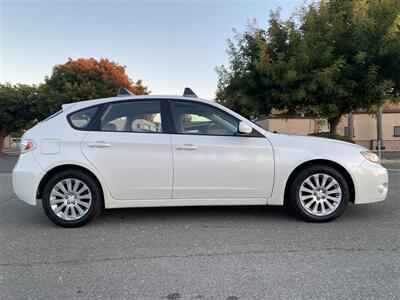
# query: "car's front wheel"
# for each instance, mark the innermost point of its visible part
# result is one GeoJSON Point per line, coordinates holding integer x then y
{"type": "Point", "coordinates": [71, 198]}
{"type": "Point", "coordinates": [319, 193]}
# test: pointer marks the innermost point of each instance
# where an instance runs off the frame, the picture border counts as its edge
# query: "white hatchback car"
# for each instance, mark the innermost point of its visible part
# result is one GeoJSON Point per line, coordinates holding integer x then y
{"type": "Point", "coordinates": [143, 151]}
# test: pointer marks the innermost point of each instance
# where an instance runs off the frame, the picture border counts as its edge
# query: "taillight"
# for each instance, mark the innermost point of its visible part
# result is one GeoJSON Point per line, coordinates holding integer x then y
{"type": "Point", "coordinates": [26, 145]}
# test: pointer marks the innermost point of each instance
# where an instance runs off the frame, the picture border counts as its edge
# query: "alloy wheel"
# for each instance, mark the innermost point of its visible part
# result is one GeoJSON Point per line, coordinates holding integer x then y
{"type": "Point", "coordinates": [320, 194]}
{"type": "Point", "coordinates": [70, 199]}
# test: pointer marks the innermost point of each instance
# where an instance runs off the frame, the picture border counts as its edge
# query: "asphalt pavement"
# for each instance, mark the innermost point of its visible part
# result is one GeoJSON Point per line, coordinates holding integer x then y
{"type": "Point", "coordinates": [201, 253]}
{"type": "Point", "coordinates": [7, 163]}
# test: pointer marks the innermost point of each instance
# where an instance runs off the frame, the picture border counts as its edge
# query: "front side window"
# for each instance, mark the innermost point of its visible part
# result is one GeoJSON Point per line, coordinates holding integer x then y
{"type": "Point", "coordinates": [82, 118]}
{"type": "Point", "coordinates": [133, 116]}
{"type": "Point", "coordinates": [202, 119]}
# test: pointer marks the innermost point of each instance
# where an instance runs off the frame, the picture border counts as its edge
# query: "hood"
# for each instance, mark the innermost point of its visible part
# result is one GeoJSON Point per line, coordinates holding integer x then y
{"type": "Point", "coordinates": [324, 140]}
{"type": "Point", "coordinates": [320, 141]}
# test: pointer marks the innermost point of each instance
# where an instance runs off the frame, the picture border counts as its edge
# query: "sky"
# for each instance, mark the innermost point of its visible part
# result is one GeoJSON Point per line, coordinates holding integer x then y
{"type": "Point", "coordinates": [168, 44]}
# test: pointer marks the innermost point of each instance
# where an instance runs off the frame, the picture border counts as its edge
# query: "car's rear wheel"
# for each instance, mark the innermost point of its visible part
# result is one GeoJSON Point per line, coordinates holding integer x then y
{"type": "Point", "coordinates": [319, 193]}
{"type": "Point", "coordinates": [71, 198]}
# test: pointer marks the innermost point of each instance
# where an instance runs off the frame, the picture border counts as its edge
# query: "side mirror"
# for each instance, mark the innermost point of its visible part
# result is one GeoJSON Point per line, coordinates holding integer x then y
{"type": "Point", "coordinates": [244, 128]}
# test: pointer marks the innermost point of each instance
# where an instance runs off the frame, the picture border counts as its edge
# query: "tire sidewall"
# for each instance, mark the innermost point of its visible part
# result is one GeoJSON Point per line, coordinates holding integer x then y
{"type": "Point", "coordinates": [93, 187]}
{"type": "Point", "coordinates": [296, 185]}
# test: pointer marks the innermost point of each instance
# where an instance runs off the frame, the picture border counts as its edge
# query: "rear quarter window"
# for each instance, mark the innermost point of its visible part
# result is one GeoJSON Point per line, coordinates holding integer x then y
{"type": "Point", "coordinates": [82, 119]}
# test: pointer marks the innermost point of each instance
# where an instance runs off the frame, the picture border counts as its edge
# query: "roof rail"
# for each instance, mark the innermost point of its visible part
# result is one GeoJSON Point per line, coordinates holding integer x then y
{"type": "Point", "coordinates": [122, 92]}
{"type": "Point", "coordinates": [189, 93]}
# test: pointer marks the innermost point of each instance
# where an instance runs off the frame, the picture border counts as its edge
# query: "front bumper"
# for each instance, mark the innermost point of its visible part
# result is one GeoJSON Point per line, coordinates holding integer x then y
{"type": "Point", "coordinates": [371, 183]}
{"type": "Point", "coordinates": [26, 177]}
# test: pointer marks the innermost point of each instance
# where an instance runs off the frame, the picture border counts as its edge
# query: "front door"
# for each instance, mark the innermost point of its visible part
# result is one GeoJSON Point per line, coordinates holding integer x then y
{"type": "Point", "coordinates": [212, 161]}
{"type": "Point", "coordinates": [131, 151]}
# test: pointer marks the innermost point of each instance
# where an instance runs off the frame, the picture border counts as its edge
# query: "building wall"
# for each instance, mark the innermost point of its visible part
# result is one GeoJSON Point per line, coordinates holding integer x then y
{"type": "Point", "coordinates": [299, 126]}
{"type": "Point", "coordinates": [364, 128]}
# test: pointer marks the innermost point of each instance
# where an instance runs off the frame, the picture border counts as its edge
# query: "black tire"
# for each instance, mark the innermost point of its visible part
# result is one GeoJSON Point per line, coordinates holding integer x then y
{"type": "Point", "coordinates": [301, 176]}
{"type": "Point", "coordinates": [95, 205]}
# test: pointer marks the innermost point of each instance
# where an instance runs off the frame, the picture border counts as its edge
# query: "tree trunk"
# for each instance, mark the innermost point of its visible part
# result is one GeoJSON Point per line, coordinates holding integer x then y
{"type": "Point", "coordinates": [379, 134]}
{"type": "Point", "coordinates": [2, 138]}
{"type": "Point", "coordinates": [350, 126]}
{"type": "Point", "coordinates": [333, 124]}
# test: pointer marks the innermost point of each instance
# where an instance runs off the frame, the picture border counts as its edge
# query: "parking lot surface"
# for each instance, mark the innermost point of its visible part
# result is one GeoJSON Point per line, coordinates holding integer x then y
{"type": "Point", "coordinates": [201, 253]}
{"type": "Point", "coordinates": [7, 163]}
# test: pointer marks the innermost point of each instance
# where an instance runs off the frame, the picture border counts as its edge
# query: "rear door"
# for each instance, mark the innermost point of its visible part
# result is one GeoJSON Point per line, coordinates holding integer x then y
{"type": "Point", "coordinates": [129, 146]}
{"type": "Point", "coordinates": [211, 160]}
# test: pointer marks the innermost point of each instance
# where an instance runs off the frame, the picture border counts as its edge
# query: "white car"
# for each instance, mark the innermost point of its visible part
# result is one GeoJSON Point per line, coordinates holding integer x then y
{"type": "Point", "coordinates": [144, 151]}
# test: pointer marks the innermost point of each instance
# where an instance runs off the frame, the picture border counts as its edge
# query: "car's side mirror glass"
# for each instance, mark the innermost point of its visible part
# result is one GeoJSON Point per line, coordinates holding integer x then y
{"type": "Point", "coordinates": [244, 128]}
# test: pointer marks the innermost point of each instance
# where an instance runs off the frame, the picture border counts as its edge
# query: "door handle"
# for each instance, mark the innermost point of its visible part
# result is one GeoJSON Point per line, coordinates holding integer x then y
{"type": "Point", "coordinates": [99, 144]}
{"type": "Point", "coordinates": [187, 147]}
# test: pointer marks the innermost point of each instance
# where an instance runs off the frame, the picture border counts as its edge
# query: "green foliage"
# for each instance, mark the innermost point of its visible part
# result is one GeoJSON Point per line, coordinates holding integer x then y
{"type": "Point", "coordinates": [17, 107]}
{"type": "Point", "coordinates": [23, 105]}
{"type": "Point", "coordinates": [83, 79]}
{"type": "Point", "coordinates": [332, 136]}
{"type": "Point", "coordinates": [330, 58]}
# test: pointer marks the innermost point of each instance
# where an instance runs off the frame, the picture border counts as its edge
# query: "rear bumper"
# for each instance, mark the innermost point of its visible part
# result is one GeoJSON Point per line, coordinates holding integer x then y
{"type": "Point", "coordinates": [371, 183]}
{"type": "Point", "coordinates": [26, 177]}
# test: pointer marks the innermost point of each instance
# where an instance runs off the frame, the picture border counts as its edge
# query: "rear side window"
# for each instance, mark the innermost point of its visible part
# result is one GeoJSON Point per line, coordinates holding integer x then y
{"type": "Point", "coordinates": [82, 118]}
{"type": "Point", "coordinates": [134, 116]}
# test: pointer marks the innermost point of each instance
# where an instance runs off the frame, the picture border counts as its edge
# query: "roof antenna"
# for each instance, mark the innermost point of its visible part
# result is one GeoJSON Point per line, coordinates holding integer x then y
{"type": "Point", "coordinates": [189, 93]}
{"type": "Point", "coordinates": [124, 92]}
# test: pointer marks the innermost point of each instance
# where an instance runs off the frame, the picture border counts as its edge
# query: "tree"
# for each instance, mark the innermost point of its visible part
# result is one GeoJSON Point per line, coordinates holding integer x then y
{"type": "Point", "coordinates": [379, 131]}
{"type": "Point", "coordinates": [258, 77]}
{"type": "Point", "coordinates": [331, 58]}
{"type": "Point", "coordinates": [381, 49]}
{"type": "Point", "coordinates": [84, 79]}
{"type": "Point", "coordinates": [17, 108]}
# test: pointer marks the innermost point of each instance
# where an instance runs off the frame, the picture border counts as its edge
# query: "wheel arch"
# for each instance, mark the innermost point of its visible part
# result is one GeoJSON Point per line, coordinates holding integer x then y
{"type": "Point", "coordinates": [61, 168]}
{"type": "Point", "coordinates": [326, 162]}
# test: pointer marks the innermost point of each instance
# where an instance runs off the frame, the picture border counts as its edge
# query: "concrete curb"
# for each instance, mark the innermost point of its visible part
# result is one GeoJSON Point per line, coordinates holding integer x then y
{"type": "Point", "coordinates": [9, 151]}
{"type": "Point", "coordinates": [390, 161]}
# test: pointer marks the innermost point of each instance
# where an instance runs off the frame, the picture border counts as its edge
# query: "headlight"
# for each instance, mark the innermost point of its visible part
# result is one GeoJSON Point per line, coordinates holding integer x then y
{"type": "Point", "coordinates": [372, 157]}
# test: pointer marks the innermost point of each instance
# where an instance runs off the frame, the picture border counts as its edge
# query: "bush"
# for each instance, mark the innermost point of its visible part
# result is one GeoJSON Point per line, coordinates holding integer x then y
{"type": "Point", "coordinates": [333, 136]}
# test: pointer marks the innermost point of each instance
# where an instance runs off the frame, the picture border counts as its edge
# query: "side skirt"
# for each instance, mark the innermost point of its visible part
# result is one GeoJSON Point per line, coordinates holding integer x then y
{"type": "Point", "coordinates": [112, 203]}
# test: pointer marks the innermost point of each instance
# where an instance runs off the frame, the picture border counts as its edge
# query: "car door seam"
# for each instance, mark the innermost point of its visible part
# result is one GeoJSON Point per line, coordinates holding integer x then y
{"type": "Point", "coordinates": [173, 167]}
